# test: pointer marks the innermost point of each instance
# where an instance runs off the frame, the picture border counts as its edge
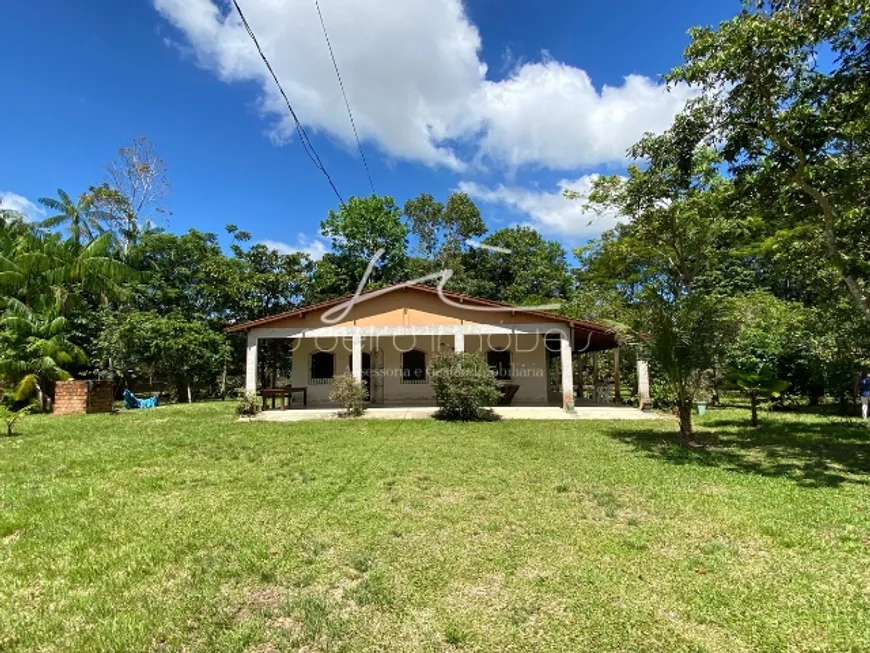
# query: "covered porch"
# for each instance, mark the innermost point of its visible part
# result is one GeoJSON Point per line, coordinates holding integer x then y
{"type": "Point", "coordinates": [393, 363]}
{"type": "Point", "coordinates": [536, 367]}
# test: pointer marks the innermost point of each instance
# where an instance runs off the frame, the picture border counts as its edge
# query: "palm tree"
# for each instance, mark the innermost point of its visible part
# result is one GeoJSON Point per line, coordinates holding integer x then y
{"type": "Point", "coordinates": [35, 351]}
{"type": "Point", "coordinates": [83, 218]}
{"type": "Point", "coordinates": [24, 265]}
{"type": "Point", "coordinates": [91, 269]}
{"type": "Point", "coordinates": [37, 268]}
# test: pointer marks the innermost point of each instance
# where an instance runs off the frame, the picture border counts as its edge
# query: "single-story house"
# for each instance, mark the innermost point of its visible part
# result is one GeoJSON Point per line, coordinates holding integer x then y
{"type": "Point", "coordinates": [387, 337]}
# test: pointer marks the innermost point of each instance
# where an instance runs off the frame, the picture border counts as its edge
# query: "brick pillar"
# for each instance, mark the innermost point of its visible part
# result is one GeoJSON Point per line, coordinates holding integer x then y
{"type": "Point", "coordinates": [70, 397]}
{"type": "Point", "coordinates": [101, 397]}
{"type": "Point", "coordinates": [80, 397]}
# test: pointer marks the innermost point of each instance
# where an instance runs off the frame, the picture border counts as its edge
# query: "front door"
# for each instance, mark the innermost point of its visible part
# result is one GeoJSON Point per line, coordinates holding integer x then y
{"type": "Point", "coordinates": [554, 378]}
{"type": "Point", "coordinates": [553, 347]}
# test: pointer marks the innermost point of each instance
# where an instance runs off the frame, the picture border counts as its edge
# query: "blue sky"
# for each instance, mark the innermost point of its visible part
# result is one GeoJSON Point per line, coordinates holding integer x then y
{"type": "Point", "coordinates": [510, 100]}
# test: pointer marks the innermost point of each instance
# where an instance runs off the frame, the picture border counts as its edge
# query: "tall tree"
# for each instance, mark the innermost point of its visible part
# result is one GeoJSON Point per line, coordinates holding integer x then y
{"type": "Point", "coordinates": [785, 89]}
{"type": "Point", "coordinates": [187, 273]}
{"type": "Point", "coordinates": [518, 266]}
{"type": "Point", "coordinates": [442, 232]}
{"type": "Point", "coordinates": [357, 231]}
{"type": "Point", "coordinates": [83, 219]}
{"type": "Point", "coordinates": [133, 195]}
{"type": "Point", "coordinates": [676, 202]}
{"type": "Point", "coordinates": [263, 281]}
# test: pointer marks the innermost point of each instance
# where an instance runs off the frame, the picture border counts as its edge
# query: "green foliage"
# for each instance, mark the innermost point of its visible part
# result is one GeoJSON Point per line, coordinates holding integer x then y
{"type": "Point", "coordinates": [442, 231]}
{"type": "Point", "coordinates": [765, 331]}
{"type": "Point", "coordinates": [35, 350]}
{"type": "Point", "coordinates": [531, 270]}
{"type": "Point", "coordinates": [464, 385]}
{"type": "Point", "coordinates": [83, 219]}
{"type": "Point", "coordinates": [262, 281]}
{"type": "Point", "coordinates": [760, 384]}
{"type": "Point", "coordinates": [11, 417]}
{"type": "Point", "coordinates": [248, 405]}
{"type": "Point", "coordinates": [186, 353]}
{"type": "Point", "coordinates": [350, 394]}
{"type": "Point", "coordinates": [657, 263]}
{"type": "Point", "coordinates": [357, 231]}
{"type": "Point", "coordinates": [755, 385]}
{"type": "Point", "coordinates": [792, 125]}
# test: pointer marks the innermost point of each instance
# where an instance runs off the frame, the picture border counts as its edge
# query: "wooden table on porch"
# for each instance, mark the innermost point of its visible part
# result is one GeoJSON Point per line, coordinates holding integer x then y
{"type": "Point", "coordinates": [284, 394]}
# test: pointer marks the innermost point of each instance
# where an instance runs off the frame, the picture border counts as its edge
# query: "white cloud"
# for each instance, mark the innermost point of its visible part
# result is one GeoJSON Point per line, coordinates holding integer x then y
{"type": "Point", "coordinates": [550, 212]}
{"type": "Point", "coordinates": [314, 247]}
{"type": "Point", "coordinates": [550, 114]}
{"type": "Point", "coordinates": [417, 84]}
{"type": "Point", "coordinates": [407, 65]}
{"type": "Point", "coordinates": [14, 202]}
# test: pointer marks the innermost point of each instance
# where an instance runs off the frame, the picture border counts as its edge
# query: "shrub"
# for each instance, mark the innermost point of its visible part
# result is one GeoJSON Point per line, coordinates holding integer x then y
{"type": "Point", "coordinates": [756, 385]}
{"type": "Point", "coordinates": [350, 393]}
{"type": "Point", "coordinates": [10, 416]}
{"type": "Point", "coordinates": [248, 405]}
{"type": "Point", "coordinates": [464, 385]}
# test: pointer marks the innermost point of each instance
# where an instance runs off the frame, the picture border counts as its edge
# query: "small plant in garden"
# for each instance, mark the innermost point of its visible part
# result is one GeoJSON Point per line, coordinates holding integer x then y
{"type": "Point", "coordinates": [464, 385]}
{"type": "Point", "coordinates": [350, 393]}
{"type": "Point", "coordinates": [248, 405]}
{"type": "Point", "coordinates": [756, 385]}
{"type": "Point", "coordinates": [10, 417]}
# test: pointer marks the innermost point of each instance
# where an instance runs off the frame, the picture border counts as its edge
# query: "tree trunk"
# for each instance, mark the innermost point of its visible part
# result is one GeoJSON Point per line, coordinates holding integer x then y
{"type": "Point", "coordinates": [685, 414]}
{"type": "Point", "coordinates": [40, 397]}
{"type": "Point", "coordinates": [834, 255]}
{"type": "Point", "coordinates": [753, 403]}
{"type": "Point", "coordinates": [189, 394]}
{"type": "Point", "coordinates": [617, 377]}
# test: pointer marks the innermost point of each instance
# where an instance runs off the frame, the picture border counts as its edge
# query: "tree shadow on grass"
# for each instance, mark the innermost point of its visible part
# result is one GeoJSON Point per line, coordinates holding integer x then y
{"type": "Point", "coordinates": [813, 454]}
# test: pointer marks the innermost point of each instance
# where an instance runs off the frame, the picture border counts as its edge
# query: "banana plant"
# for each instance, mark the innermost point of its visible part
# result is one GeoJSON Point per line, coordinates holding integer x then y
{"type": "Point", "coordinates": [35, 351]}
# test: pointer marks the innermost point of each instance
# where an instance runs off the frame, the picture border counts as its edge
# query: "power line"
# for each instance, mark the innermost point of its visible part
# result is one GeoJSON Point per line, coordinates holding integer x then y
{"type": "Point", "coordinates": [303, 135]}
{"type": "Point", "coordinates": [346, 102]}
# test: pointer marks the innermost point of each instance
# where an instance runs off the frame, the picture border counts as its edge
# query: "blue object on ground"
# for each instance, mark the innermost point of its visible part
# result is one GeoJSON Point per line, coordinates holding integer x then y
{"type": "Point", "coordinates": [132, 401]}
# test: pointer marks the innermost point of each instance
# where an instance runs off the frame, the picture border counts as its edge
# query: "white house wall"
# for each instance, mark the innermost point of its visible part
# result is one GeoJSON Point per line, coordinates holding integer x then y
{"type": "Point", "coordinates": [528, 362]}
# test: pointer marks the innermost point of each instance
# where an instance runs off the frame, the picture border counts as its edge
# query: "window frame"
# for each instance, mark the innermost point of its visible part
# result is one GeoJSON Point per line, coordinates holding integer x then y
{"type": "Point", "coordinates": [414, 381]}
{"type": "Point", "coordinates": [320, 380]}
{"type": "Point", "coordinates": [495, 368]}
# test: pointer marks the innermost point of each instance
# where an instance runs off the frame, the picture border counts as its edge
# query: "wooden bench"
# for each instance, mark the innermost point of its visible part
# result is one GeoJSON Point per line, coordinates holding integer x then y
{"type": "Point", "coordinates": [283, 394]}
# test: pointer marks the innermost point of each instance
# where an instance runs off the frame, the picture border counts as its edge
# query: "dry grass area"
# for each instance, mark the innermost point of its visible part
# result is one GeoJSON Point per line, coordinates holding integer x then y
{"type": "Point", "coordinates": [179, 529]}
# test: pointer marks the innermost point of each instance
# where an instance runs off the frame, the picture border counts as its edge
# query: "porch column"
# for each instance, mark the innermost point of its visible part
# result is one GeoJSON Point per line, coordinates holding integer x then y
{"type": "Point", "coordinates": [459, 342]}
{"type": "Point", "coordinates": [617, 373]}
{"type": "Point", "coordinates": [643, 399]}
{"type": "Point", "coordinates": [357, 357]}
{"type": "Point", "coordinates": [251, 365]}
{"type": "Point", "coordinates": [567, 373]}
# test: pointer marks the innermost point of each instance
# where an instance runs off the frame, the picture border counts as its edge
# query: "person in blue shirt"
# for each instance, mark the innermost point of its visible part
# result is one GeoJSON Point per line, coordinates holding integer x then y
{"type": "Point", "coordinates": [863, 391]}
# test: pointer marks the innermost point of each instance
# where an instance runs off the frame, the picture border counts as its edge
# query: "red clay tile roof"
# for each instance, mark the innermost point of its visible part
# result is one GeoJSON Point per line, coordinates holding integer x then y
{"type": "Point", "coordinates": [608, 334]}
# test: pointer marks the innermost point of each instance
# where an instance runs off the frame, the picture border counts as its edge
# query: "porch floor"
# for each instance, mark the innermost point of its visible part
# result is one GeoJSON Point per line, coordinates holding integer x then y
{"type": "Point", "coordinates": [426, 412]}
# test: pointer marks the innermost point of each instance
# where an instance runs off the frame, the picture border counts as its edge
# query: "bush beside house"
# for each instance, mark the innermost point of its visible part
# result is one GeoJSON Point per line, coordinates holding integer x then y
{"type": "Point", "coordinates": [464, 386]}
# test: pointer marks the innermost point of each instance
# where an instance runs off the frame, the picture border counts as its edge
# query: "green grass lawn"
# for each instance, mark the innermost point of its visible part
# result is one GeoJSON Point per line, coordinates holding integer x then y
{"type": "Point", "coordinates": [181, 529]}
